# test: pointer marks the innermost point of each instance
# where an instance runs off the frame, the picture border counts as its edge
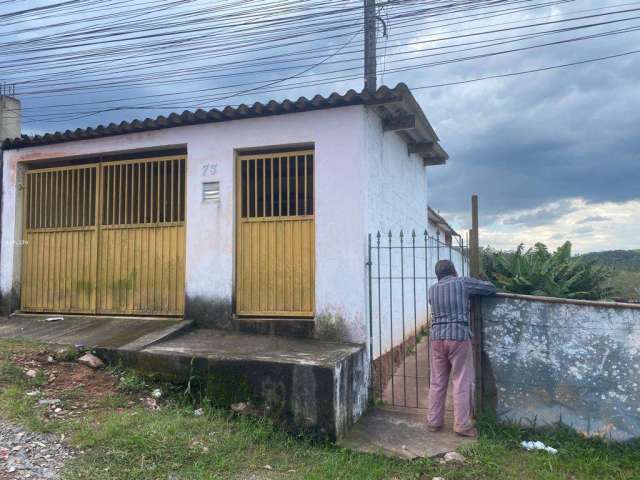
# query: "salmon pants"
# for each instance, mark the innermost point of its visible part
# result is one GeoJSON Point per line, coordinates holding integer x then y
{"type": "Point", "coordinates": [455, 359]}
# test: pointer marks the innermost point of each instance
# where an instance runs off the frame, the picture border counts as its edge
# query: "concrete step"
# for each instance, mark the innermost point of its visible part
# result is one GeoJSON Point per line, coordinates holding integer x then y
{"type": "Point", "coordinates": [311, 386]}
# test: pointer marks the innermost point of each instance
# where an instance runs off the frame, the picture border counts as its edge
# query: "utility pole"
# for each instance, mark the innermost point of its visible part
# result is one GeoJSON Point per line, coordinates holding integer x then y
{"type": "Point", "coordinates": [370, 73]}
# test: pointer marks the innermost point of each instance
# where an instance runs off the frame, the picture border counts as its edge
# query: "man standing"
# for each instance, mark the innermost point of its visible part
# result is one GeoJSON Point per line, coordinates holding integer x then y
{"type": "Point", "coordinates": [451, 351]}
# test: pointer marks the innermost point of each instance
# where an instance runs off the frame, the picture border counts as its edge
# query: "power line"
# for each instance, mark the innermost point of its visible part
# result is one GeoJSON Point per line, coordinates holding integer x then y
{"type": "Point", "coordinates": [429, 40]}
{"type": "Point", "coordinates": [257, 46]}
{"type": "Point", "coordinates": [438, 85]}
{"type": "Point", "coordinates": [524, 72]}
{"type": "Point", "coordinates": [495, 42]}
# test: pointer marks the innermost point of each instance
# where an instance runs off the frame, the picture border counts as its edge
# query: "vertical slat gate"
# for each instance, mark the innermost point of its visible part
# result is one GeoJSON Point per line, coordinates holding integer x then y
{"type": "Point", "coordinates": [142, 237]}
{"type": "Point", "coordinates": [105, 238]}
{"type": "Point", "coordinates": [275, 255]}
{"type": "Point", "coordinates": [59, 255]}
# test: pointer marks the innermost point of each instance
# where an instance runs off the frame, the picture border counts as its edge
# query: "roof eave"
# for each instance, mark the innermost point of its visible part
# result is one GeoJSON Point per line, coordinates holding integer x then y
{"type": "Point", "coordinates": [439, 220]}
{"type": "Point", "coordinates": [385, 101]}
{"type": "Point", "coordinates": [416, 130]}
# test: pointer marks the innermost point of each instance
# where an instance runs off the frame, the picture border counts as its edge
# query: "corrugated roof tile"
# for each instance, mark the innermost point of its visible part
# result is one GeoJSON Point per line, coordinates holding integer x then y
{"type": "Point", "coordinates": [302, 104]}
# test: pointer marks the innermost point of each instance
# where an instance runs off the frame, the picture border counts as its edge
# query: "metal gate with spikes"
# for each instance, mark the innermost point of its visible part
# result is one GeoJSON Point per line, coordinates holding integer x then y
{"type": "Point", "coordinates": [400, 271]}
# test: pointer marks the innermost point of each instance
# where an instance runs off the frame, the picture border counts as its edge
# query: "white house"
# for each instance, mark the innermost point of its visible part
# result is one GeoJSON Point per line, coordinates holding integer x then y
{"type": "Point", "coordinates": [240, 216]}
{"type": "Point", "coordinates": [449, 244]}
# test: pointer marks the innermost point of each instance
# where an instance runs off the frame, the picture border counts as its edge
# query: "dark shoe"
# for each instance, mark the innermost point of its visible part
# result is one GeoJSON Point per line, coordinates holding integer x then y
{"type": "Point", "coordinates": [471, 433]}
{"type": "Point", "coordinates": [434, 429]}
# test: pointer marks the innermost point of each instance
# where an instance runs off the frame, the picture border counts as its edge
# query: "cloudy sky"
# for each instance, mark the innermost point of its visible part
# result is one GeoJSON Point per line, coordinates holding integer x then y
{"type": "Point", "coordinates": [553, 155]}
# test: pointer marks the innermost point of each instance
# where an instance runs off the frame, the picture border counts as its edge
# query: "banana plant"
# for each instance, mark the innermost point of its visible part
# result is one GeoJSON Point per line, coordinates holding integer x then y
{"type": "Point", "coordinates": [537, 271]}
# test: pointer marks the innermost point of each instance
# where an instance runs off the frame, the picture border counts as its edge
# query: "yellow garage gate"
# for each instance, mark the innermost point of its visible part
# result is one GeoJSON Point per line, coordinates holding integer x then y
{"type": "Point", "coordinates": [105, 238]}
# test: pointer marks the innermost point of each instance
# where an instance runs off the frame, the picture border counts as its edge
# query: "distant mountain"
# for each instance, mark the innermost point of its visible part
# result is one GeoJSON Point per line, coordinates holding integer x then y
{"type": "Point", "coordinates": [628, 260]}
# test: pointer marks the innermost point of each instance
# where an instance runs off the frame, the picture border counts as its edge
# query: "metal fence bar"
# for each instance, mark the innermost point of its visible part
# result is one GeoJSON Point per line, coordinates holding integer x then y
{"type": "Point", "coordinates": [426, 296]}
{"type": "Point", "coordinates": [404, 331]}
{"type": "Point", "coordinates": [415, 315]}
{"type": "Point", "coordinates": [379, 314]}
{"type": "Point", "coordinates": [393, 393]}
{"type": "Point", "coordinates": [369, 265]}
{"type": "Point", "coordinates": [392, 363]}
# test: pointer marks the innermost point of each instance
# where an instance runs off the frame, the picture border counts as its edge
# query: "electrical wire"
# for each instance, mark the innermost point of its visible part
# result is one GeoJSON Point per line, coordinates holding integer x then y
{"type": "Point", "coordinates": [197, 53]}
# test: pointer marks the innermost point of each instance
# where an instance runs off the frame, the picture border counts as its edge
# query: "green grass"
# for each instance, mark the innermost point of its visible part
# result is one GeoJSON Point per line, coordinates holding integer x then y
{"type": "Point", "coordinates": [113, 402]}
{"type": "Point", "coordinates": [130, 382]}
{"type": "Point", "coordinates": [124, 442]}
{"type": "Point", "coordinates": [14, 384]}
{"type": "Point", "coordinates": [67, 354]}
{"type": "Point", "coordinates": [11, 373]}
{"type": "Point", "coordinates": [142, 444]}
{"type": "Point", "coordinates": [173, 441]}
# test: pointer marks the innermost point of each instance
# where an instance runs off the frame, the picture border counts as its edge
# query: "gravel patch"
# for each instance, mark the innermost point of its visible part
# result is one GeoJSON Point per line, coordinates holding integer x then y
{"type": "Point", "coordinates": [25, 454]}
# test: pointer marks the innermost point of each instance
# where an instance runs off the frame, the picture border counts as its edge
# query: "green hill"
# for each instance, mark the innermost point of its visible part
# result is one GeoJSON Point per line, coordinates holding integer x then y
{"type": "Point", "coordinates": [625, 278]}
{"type": "Point", "coordinates": [628, 260]}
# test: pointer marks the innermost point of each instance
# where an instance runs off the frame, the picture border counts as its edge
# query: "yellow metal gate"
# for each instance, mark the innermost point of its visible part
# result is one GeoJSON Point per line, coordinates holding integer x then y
{"type": "Point", "coordinates": [59, 261]}
{"type": "Point", "coordinates": [275, 255]}
{"type": "Point", "coordinates": [105, 238]}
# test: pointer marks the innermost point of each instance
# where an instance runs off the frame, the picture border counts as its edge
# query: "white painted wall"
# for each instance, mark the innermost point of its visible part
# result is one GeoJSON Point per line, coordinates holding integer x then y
{"type": "Point", "coordinates": [365, 181]}
{"type": "Point", "coordinates": [338, 136]}
{"type": "Point", "coordinates": [445, 253]}
{"type": "Point", "coordinates": [396, 191]}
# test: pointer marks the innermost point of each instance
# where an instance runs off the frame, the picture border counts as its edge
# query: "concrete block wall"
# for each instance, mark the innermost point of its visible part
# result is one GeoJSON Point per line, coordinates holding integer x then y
{"type": "Point", "coordinates": [551, 360]}
{"type": "Point", "coordinates": [10, 117]}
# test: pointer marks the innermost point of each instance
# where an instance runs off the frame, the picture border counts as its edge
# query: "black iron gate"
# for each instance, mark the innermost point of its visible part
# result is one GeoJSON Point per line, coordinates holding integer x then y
{"type": "Point", "coordinates": [400, 271]}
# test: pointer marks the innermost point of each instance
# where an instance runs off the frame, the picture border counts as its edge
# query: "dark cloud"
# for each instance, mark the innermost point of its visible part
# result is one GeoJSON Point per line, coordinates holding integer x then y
{"type": "Point", "coordinates": [522, 142]}
{"type": "Point", "coordinates": [542, 216]}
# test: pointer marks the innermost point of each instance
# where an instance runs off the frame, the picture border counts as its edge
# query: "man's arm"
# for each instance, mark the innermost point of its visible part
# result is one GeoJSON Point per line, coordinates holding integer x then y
{"type": "Point", "coordinates": [479, 287]}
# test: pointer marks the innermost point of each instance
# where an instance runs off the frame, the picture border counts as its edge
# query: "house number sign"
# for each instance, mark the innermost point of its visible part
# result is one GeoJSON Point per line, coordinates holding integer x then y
{"type": "Point", "coordinates": [209, 169]}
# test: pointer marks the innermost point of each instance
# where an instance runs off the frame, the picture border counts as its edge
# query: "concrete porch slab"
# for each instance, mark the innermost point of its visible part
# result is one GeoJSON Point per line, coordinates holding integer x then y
{"type": "Point", "coordinates": [401, 433]}
{"type": "Point", "coordinates": [132, 333]}
{"type": "Point", "coordinates": [309, 385]}
{"type": "Point", "coordinates": [222, 344]}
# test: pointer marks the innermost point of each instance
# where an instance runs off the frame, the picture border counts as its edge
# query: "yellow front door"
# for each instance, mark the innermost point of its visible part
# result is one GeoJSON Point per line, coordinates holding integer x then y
{"type": "Point", "coordinates": [275, 254]}
{"type": "Point", "coordinates": [105, 238]}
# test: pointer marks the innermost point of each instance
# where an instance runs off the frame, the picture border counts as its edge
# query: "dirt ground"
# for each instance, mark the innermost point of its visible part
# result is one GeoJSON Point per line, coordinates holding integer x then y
{"type": "Point", "coordinates": [78, 387]}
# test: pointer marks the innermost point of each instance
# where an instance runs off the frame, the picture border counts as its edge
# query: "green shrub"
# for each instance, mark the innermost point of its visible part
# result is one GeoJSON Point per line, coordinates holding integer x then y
{"type": "Point", "coordinates": [537, 271]}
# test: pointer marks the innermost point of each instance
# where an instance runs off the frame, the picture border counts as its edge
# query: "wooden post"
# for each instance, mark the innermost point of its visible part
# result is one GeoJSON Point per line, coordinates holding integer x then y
{"type": "Point", "coordinates": [474, 244]}
{"type": "Point", "coordinates": [476, 317]}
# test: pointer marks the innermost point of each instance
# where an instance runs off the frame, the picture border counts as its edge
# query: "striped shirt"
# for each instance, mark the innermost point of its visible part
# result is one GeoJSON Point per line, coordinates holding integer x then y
{"type": "Point", "coordinates": [449, 299]}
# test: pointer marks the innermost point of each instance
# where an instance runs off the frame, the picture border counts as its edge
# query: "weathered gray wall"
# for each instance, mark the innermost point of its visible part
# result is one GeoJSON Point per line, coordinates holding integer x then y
{"type": "Point", "coordinates": [10, 117]}
{"type": "Point", "coordinates": [554, 360]}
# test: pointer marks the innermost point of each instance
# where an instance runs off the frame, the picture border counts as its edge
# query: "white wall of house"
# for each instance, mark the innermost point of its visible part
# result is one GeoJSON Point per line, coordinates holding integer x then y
{"type": "Point", "coordinates": [339, 139]}
{"type": "Point", "coordinates": [396, 190]}
{"type": "Point", "coordinates": [445, 253]}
